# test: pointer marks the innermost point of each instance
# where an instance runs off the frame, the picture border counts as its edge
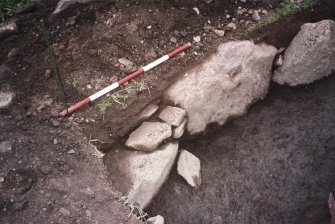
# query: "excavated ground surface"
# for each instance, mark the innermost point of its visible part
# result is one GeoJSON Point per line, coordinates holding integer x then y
{"type": "Point", "coordinates": [273, 165]}
{"type": "Point", "coordinates": [88, 51]}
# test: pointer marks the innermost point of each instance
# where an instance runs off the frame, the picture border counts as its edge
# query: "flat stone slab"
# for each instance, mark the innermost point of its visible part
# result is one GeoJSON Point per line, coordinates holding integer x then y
{"type": "Point", "coordinates": [225, 85]}
{"type": "Point", "coordinates": [149, 136]}
{"type": "Point", "coordinates": [64, 4]}
{"type": "Point", "coordinates": [189, 168]}
{"type": "Point", "coordinates": [140, 175]}
{"type": "Point", "coordinates": [172, 115]}
{"type": "Point", "coordinates": [179, 131]}
{"type": "Point", "coordinates": [6, 99]}
{"type": "Point", "coordinates": [148, 111]}
{"type": "Point", "coordinates": [310, 56]}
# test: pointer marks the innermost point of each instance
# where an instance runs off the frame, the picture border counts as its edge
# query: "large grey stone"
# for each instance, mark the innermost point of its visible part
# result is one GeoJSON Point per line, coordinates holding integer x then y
{"type": "Point", "coordinates": [310, 56]}
{"type": "Point", "coordinates": [172, 115]}
{"type": "Point", "coordinates": [225, 85]}
{"type": "Point", "coordinates": [7, 29]}
{"type": "Point", "coordinates": [140, 175]}
{"type": "Point", "coordinates": [6, 99]}
{"type": "Point", "coordinates": [189, 168]}
{"type": "Point", "coordinates": [149, 135]}
{"type": "Point", "coordinates": [64, 4]}
{"type": "Point", "coordinates": [148, 111]}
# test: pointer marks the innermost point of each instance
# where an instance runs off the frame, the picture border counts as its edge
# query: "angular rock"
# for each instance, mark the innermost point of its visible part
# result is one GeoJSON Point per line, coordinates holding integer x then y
{"type": "Point", "coordinates": [179, 131]}
{"type": "Point", "coordinates": [220, 33]}
{"type": "Point", "coordinates": [64, 4]}
{"type": "Point", "coordinates": [149, 136]}
{"type": "Point", "coordinates": [172, 115]}
{"type": "Point", "coordinates": [310, 56]}
{"type": "Point", "coordinates": [256, 16]}
{"type": "Point", "coordinates": [225, 85]}
{"type": "Point", "coordinates": [7, 29]}
{"type": "Point", "coordinates": [189, 168]}
{"type": "Point", "coordinates": [6, 99]}
{"type": "Point", "coordinates": [129, 65]}
{"type": "Point", "coordinates": [148, 111]}
{"type": "Point", "coordinates": [156, 220]}
{"type": "Point", "coordinates": [140, 175]}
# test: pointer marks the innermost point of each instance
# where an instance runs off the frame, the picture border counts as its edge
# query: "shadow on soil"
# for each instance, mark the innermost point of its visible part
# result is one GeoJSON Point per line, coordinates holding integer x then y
{"type": "Point", "coordinates": [273, 165]}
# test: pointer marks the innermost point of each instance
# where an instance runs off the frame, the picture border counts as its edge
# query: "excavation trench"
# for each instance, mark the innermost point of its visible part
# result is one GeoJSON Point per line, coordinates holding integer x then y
{"type": "Point", "coordinates": [273, 165]}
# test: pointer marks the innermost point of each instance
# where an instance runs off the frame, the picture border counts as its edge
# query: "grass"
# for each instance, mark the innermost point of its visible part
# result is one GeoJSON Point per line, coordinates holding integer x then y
{"type": "Point", "coordinates": [73, 82]}
{"type": "Point", "coordinates": [135, 209]}
{"type": "Point", "coordinates": [120, 97]}
{"type": "Point", "coordinates": [286, 8]}
{"type": "Point", "coordinates": [7, 7]}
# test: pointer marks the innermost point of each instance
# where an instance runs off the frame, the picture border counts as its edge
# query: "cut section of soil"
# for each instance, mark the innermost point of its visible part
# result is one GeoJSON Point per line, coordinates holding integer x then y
{"type": "Point", "coordinates": [273, 165]}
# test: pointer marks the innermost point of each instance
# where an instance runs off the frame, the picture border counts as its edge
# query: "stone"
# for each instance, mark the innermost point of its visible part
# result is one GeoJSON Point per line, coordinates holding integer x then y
{"type": "Point", "coordinates": [179, 131]}
{"type": "Point", "coordinates": [129, 65]}
{"type": "Point", "coordinates": [173, 40]}
{"type": "Point", "coordinates": [310, 56]}
{"type": "Point", "coordinates": [189, 168]}
{"type": "Point", "coordinates": [220, 33]}
{"type": "Point", "coordinates": [140, 175]}
{"type": "Point", "coordinates": [54, 122]}
{"type": "Point", "coordinates": [149, 136]}
{"type": "Point", "coordinates": [197, 39]}
{"type": "Point", "coordinates": [148, 111]}
{"type": "Point", "coordinates": [156, 220]}
{"type": "Point", "coordinates": [6, 99]}
{"type": "Point", "coordinates": [279, 61]}
{"type": "Point", "coordinates": [265, 12]}
{"type": "Point", "coordinates": [224, 85]}
{"type": "Point", "coordinates": [196, 10]}
{"type": "Point", "coordinates": [232, 26]}
{"type": "Point", "coordinates": [71, 151]}
{"type": "Point", "coordinates": [64, 211]}
{"type": "Point", "coordinates": [7, 29]}
{"type": "Point", "coordinates": [64, 4]}
{"type": "Point", "coordinates": [256, 16]}
{"type": "Point", "coordinates": [172, 115]}
{"type": "Point", "coordinates": [5, 146]}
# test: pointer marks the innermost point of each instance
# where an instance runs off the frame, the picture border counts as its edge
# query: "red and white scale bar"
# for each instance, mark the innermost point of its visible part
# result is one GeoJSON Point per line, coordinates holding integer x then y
{"type": "Point", "coordinates": [123, 81]}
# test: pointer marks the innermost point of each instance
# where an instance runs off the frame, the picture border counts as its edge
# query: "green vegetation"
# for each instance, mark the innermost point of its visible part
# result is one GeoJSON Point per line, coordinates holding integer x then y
{"type": "Point", "coordinates": [120, 97]}
{"type": "Point", "coordinates": [286, 8]}
{"type": "Point", "coordinates": [7, 7]}
{"type": "Point", "coordinates": [74, 82]}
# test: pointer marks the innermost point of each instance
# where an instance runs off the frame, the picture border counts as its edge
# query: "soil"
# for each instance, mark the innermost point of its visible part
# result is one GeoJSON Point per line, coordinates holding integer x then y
{"type": "Point", "coordinates": [273, 165]}
{"type": "Point", "coordinates": [45, 182]}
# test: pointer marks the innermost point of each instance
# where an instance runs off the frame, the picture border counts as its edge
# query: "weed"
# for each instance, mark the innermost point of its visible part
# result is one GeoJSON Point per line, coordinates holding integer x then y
{"type": "Point", "coordinates": [135, 209]}
{"type": "Point", "coordinates": [7, 7]}
{"type": "Point", "coordinates": [120, 97]}
{"type": "Point", "coordinates": [74, 82]}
